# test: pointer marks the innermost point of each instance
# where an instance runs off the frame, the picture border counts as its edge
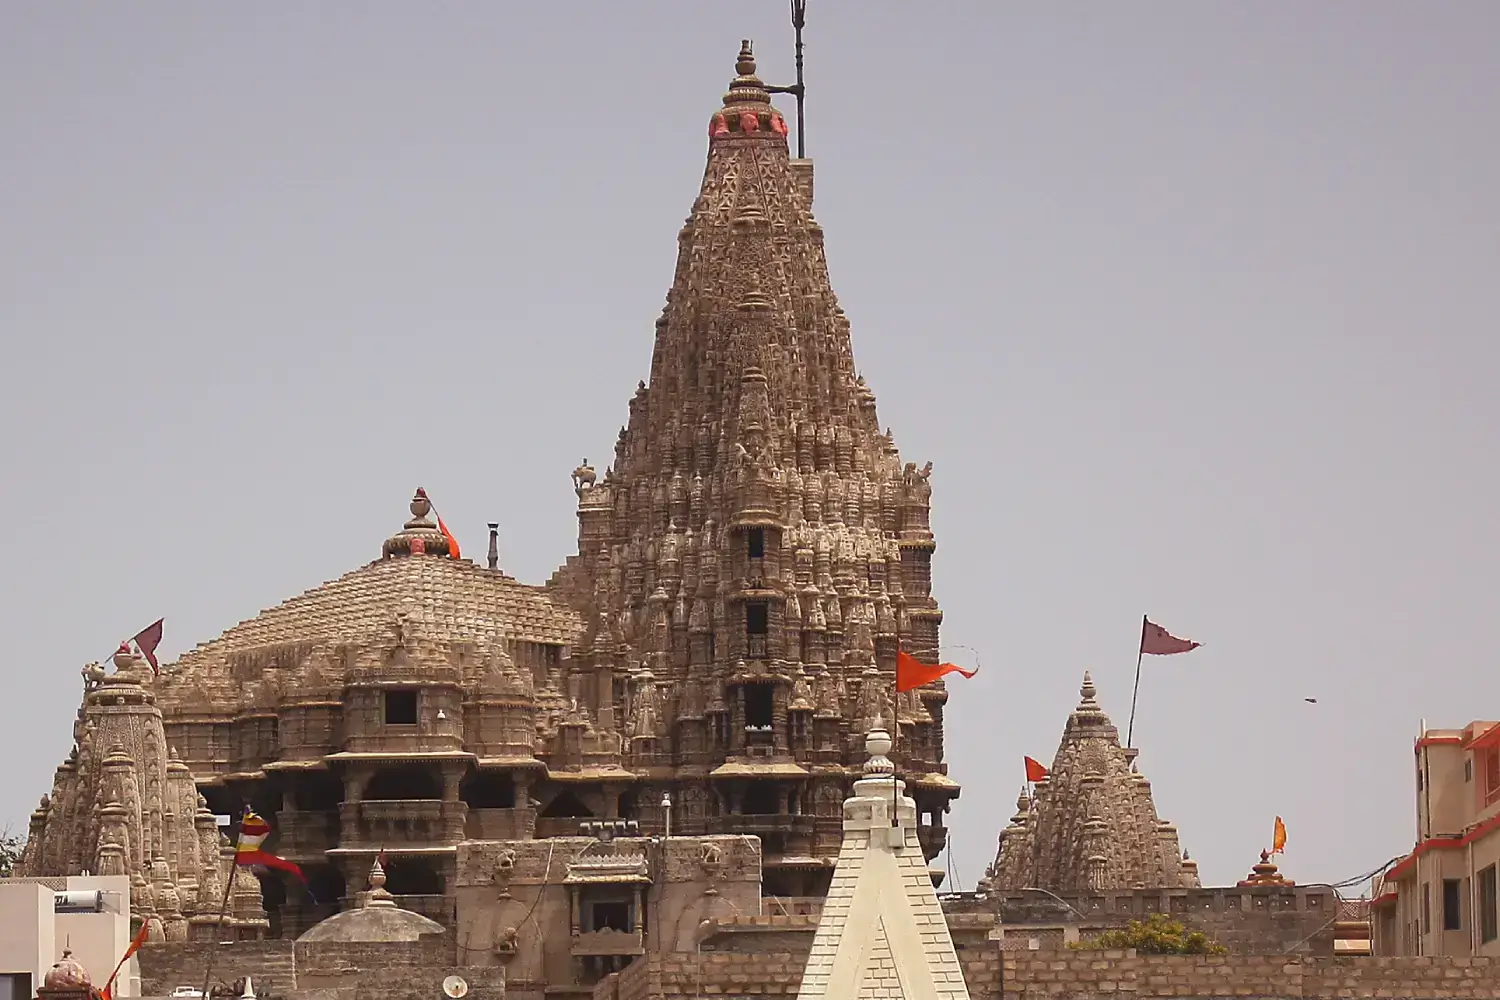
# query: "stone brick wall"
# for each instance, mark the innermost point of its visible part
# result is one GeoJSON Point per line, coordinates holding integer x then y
{"type": "Point", "coordinates": [1072, 975]}
{"type": "Point", "coordinates": [165, 967]}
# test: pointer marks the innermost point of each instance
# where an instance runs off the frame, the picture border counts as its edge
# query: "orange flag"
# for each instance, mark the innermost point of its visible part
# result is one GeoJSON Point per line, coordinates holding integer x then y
{"type": "Point", "coordinates": [1278, 838]}
{"type": "Point", "coordinates": [135, 946]}
{"type": "Point", "coordinates": [912, 673]}
{"type": "Point", "coordinates": [1035, 771]}
{"type": "Point", "coordinates": [452, 542]}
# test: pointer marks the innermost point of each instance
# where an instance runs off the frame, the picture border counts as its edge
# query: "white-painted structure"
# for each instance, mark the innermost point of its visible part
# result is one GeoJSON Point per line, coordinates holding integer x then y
{"type": "Point", "coordinates": [882, 935]}
{"type": "Point", "coordinates": [34, 930]}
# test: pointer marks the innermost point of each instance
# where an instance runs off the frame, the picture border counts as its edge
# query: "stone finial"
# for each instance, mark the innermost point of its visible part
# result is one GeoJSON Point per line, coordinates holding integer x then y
{"type": "Point", "coordinates": [1265, 873]}
{"type": "Point", "coordinates": [124, 658]}
{"type": "Point", "coordinates": [878, 743]}
{"type": "Point", "coordinates": [378, 896]}
{"type": "Point", "coordinates": [1087, 693]}
{"type": "Point", "coordinates": [418, 535]}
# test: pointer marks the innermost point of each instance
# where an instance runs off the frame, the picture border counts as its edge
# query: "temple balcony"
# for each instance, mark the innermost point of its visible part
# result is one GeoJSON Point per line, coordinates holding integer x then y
{"type": "Point", "coordinates": [608, 942]}
{"type": "Point", "coordinates": [305, 834]}
{"type": "Point", "coordinates": [402, 822]}
{"type": "Point", "coordinates": [766, 825]}
{"type": "Point", "coordinates": [504, 824]}
{"type": "Point", "coordinates": [558, 826]}
{"type": "Point", "coordinates": [933, 839]}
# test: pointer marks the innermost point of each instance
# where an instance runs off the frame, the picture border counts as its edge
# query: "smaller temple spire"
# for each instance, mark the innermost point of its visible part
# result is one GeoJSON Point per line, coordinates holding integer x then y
{"type": "Point", "coordinates": [747, 107]}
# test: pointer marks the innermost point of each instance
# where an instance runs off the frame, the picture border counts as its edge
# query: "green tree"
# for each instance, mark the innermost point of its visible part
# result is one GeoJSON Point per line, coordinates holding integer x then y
{"type": "Point", "coordinates": [11, 845]}
{"type": "Point", "coordinates": [1158, 934]}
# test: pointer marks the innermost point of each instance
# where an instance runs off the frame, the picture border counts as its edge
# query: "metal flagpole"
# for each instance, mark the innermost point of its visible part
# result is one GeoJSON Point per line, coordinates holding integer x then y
{"type": "Point", "coordinates": [1141, 652]}
{"type": "Point", "coordinates": [208, 967]}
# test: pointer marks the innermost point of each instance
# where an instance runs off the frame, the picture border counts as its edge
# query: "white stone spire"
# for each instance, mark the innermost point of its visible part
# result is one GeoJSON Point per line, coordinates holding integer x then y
{"type": "Point", "coordinates": [882, 935]}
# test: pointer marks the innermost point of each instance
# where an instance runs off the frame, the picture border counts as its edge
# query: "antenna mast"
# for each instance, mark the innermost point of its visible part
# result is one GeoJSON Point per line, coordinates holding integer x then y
{"type": "Point", "coordinates": [799, 89]}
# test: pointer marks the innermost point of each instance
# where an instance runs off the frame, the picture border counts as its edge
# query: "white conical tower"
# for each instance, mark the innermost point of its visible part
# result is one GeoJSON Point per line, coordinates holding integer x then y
{"type": "Point", "coordinates": [882, 934]}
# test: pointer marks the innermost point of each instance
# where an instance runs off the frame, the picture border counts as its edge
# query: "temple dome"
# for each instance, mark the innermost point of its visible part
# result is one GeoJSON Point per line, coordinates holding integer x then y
{"type": "Point", "coordinates": [67, 974]}
{"type": "Point", "coordinates": [376, 919]}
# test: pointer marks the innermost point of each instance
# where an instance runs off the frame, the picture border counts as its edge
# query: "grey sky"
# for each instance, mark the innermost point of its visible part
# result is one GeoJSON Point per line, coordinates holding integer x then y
{"type": "Point", "coordinates": [1193, 305]}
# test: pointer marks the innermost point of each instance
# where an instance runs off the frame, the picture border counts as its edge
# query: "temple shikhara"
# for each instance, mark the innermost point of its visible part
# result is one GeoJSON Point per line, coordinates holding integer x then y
{"type": "Point", "coordinates": [674, 746]}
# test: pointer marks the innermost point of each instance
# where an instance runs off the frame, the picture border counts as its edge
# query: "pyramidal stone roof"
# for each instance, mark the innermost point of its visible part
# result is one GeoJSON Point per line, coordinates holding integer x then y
{"type": "Point", "coordinates": [882, 934]}
{"type": "Point", "coordinates": [1092, 823]}
{"type": "Point", "coordinates": [414, 585]}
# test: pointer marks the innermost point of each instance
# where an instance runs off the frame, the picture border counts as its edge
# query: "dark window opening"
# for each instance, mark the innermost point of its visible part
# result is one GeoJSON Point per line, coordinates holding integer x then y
{"type": "Point", "coordinates": [757, 618]}
{"type": "Point", "coordinates": [1468, 771]}
{"type": "Point", "coordinates": [1426, 907]}
{"type": "Point", "coordinates": [489, 790]}
{"type": "Point", "coordinates": [401, 707]}
{"type": "Point", "coordinates": [1452, 905]}
{"type": "Point", "coordinates": [567, 806]}
{"type": "Point", "coordinates": [612, 916]}
{"type": "Point", "coordinates": [410, 782]}
{"type": "Point", "coordinates": [317, 792]}
{"type": "Point", "coordinates": [755, 543]}
{"type": "Point", "coordinates": [760, 799]}
{"type": "Point", "coordinates": [412, 877]}
{"type": "Point", "coordinates": [772, 843]}
{"type": "Point", "coordinates": [630, 804]}
{"type": "Point", "coordinates": [758, 705]}
{"type": "Point", "coordinates": [1488, 930]}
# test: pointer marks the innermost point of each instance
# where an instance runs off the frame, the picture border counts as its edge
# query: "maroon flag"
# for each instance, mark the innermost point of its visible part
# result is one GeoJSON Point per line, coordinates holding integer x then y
{"type": "Point", "coordinates": [1157, 641]}
{"type": "Point", "coordinates": [146, 640]}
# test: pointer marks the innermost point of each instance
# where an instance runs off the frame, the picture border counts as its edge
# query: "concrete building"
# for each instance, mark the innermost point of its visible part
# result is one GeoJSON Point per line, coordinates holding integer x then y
{"type": "Point", "coordinates": [87, 914]}
{"type": "Point", "coordinates": [1443, 898]}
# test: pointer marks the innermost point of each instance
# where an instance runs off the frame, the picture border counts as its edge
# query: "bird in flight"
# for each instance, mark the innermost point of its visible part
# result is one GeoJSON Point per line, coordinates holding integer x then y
{"type": "Point", "coordinates": [1311, 701]}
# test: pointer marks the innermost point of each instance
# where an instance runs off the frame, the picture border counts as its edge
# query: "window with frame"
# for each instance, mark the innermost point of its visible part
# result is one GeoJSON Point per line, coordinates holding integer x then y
{"type": "Point", "coordinates": [1489, 767]}
{"type": "Point", "coordinates": [1488, 930]}
{"type": "Point", "coordinates": [401, 707]}
{"type": "Point", "coordinates": [1453, 910]}
{"type": "Point", "coordinates": [1426, 907]}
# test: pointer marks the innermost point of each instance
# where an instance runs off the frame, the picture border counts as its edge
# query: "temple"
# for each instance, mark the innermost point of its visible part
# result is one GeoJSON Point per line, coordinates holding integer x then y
{"type": "Point", "coordinates": [747, 568]}
{"type": "Point", "coordinates": [1092, 824]}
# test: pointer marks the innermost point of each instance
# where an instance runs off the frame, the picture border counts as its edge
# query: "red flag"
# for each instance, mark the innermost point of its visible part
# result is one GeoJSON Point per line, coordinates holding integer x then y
{"type": "Point", "coordinates": [147, 639]}
{"type": "Point", "coordinates": [1035, 771]}
{"type": "Point", "coordinates": [1157, 641]}
{"type": "Point", "coordinates": [452, 542]}
{"type": "Point", "coordinates": [912, 673]}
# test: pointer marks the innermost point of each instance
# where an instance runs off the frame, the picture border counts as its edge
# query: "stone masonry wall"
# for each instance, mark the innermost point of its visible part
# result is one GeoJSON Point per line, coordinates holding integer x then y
{"type": "Point", "coordinates": [164, 967]}
{"type": "Point", "coordinates": [1074, 975]}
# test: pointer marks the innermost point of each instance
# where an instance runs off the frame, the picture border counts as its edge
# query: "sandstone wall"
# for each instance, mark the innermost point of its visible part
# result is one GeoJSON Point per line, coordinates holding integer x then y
{"type": "Point", "coordinates": [1072, 975]}
{"type": "Point", "coordinates": [164, 967]}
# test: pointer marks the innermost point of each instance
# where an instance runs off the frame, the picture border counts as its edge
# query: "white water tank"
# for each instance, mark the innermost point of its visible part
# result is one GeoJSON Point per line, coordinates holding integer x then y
{"type": "Point", "coordinates": [78, 901]}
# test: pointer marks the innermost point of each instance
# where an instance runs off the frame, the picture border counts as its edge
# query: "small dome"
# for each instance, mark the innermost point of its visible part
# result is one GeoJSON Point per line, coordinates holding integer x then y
{"type": "Point", "coordinates": [375, 920]}
{"type": "Point", "coordinates": [67, 975]}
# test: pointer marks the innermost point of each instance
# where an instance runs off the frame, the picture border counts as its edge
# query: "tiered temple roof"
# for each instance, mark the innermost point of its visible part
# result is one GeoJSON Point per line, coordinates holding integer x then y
{"type": "Point", "coordinates": [1092, 823]}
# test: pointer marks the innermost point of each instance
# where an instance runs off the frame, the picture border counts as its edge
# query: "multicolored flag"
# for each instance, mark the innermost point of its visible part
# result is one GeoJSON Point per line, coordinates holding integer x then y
{"type": "Point", "coordinates": [912, 673]}
{"type": "Point", "coordinates": [249, 853]}
{"type": "Point", "coordinates": [1157, 641]}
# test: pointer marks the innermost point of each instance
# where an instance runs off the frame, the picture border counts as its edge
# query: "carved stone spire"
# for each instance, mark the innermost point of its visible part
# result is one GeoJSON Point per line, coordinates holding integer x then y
{"type": "Point", "coordinates": [758, 523]}
{"type": "Point", "coordinates": [1094, 825]}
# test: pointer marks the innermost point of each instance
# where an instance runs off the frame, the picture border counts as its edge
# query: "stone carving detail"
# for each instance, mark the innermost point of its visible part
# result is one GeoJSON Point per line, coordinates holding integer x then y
{"type": "Point", "coordinates": [1092, 824]}
{"type": "Point", "coordinates": [132, 810]}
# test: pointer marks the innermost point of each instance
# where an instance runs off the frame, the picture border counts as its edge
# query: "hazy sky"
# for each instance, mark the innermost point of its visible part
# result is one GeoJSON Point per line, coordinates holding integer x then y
{"type": "Point", "coordinates": [1192, 304]}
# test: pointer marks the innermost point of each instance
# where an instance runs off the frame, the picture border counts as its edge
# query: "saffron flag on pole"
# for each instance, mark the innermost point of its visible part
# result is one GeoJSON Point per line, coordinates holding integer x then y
{"type": "Point", "coordinates": [146, 640]}
{"type": "Point", "coordinates": [452, 542]}
{"type": "Point", "coordinates": [912, 673]}
{"type": "Point", "coordinates": [1278, 837]}
{"type": "Point", "coordinates": [250, 853]}
{"type": "Point", "coordinates": [1035, 771]}
{"type": "Point", "coordinates": [135, 946]}
{"type": "Point", "coordinates": [1157, 641]}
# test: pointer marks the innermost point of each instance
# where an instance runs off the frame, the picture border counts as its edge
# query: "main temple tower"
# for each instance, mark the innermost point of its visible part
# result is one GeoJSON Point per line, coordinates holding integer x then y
{"type": "Point", "coordinates": [756, 553]}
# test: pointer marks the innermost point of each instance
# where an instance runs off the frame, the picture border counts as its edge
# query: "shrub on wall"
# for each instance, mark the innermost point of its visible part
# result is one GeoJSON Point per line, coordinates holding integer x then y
{"type": "Point", "coordinates": [1158, 934]}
